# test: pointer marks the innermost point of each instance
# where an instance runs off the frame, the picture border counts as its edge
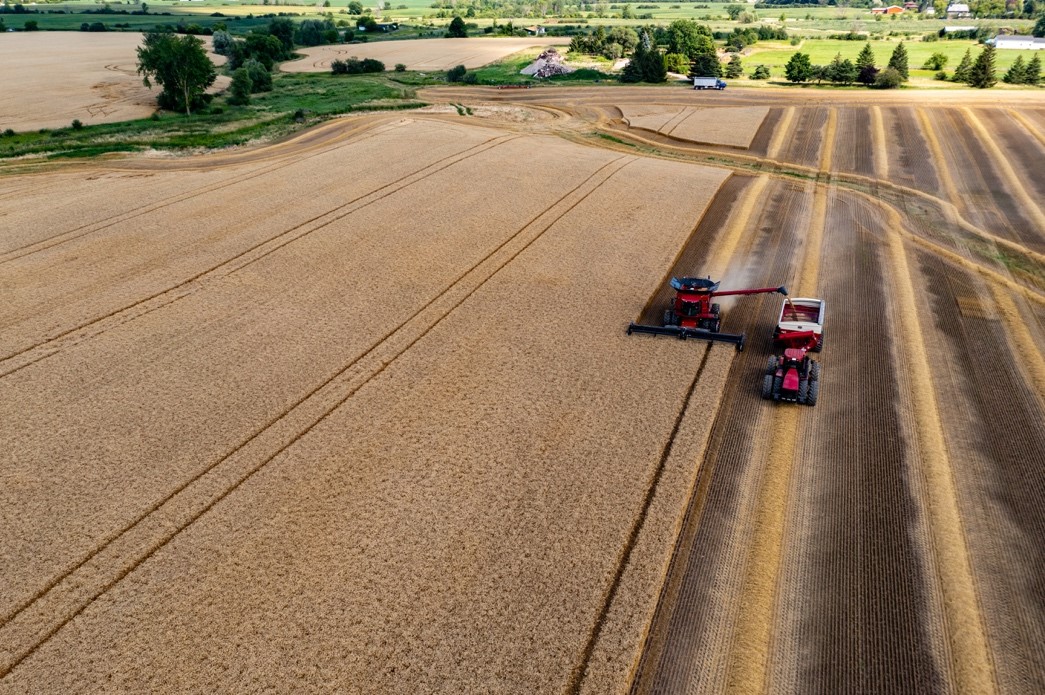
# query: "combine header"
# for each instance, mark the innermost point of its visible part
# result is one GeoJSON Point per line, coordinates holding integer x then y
{"type": "Point", "coordinates": [693, 315]}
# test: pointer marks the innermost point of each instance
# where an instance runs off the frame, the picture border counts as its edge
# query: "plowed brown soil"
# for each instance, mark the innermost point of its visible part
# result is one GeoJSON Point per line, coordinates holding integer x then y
{"type": "Point", "coordinates": [380, 429]}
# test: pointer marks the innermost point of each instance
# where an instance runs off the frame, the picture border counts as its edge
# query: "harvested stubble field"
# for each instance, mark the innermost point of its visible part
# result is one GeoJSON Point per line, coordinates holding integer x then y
{"type": "Point", "coordinates": [52, 78]}
{"type": "Point", "coordinates": [420, 54]}
{"type": "Point", "coordinates": [722, 126]}
{"type": "Point", "coordinates": [391, 437]}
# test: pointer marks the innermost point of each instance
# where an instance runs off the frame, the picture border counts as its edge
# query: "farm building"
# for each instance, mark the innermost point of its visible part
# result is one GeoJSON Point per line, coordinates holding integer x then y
{"type": "Point", "coordinates": [958, 11]}
{"type": "Point", "coordinates": [535, 31]}
{"type": "Point", "coordinates": [1019, 43]}
{"type": "Point", "coordinates": [892, 9]}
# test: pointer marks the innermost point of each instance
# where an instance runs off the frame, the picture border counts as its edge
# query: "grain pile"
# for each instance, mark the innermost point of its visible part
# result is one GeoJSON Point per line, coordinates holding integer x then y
{"type": "Point", "coordinates": [51, 78]}
{"type": "Point", "coordinates": [419, 54]}
{"type": "Point", "coordinates": [732, 126]}
{"type": "Point", "coordinates": [419, 537]}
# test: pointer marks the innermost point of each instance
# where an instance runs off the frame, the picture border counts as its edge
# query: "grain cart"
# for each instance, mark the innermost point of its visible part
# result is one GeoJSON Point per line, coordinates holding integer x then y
{"type": "Point", "coordinates": [692, 314]}
{"type": "Point", "coordinates": [798, 315]}
{"type": "Point", "coordinates": [794, 377]}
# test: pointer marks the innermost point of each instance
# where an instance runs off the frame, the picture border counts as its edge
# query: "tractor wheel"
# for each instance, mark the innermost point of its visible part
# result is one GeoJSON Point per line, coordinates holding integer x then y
{"type": "Point", "coordinates": [777, 383]}
{"type": "Point", "coordinates": [771, 365]}
{"type": "Point", "coordinates": [814, 371]}
{"type": "Point", "coordinates": [820, 344]}
{"type": "Point", "coordinates": [716, 325]}
{"type": "Point", "coordinates": [715, 309]}
{"type": "Point", "coordinates": [767, 386]}
{"type": "Point", "coordinates": [803, 391]}
{"type": "Point", "coordinates": [814, 392]}
{"type": "Point", "coordinates": [669, 317]}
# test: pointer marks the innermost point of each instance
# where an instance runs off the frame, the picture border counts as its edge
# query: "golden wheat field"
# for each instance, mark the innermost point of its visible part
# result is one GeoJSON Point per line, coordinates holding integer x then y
{"type": "Point", "coordinates": [356, 411]}
{"type": "Point", "coordinates": [51, 79]}
{"type": "Point", "coordinates": [420, 54]}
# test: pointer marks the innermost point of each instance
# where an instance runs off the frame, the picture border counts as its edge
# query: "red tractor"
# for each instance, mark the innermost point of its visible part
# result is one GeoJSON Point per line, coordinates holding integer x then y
{"type": "Point", "coordinates": [692, 314]}
{"type": "Point", "coordinates": [793, 377]}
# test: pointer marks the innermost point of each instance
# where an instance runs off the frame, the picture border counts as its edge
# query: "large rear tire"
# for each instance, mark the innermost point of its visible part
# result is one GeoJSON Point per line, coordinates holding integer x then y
{"type": "Point", "coordinates": [814, 392]}
{"type": "Point", "coordinates": [814, 371]}
{"type": "Point", "coordinates": [715, 309]}
{"type": "Point", "coordinates": [803, 391]}
{"type": "Point", "coordinates": [771, 365]}
{"type": "Point", "coordinates": [767, 386]}
{"type": "Point", "coordinates": [669, 317]}
{"type": "Point", "coordinates": [777, 383]}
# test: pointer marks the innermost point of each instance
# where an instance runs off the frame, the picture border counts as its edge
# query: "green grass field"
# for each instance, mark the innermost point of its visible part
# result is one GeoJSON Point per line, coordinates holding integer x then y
{"type": "Point", "coordinates": [822, 51]}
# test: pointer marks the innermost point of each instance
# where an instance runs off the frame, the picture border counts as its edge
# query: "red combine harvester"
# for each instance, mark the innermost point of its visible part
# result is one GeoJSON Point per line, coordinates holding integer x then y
{"type": "Point", "coordinates": [794, 377]}
{"type": "Point", "coordinates": [693, 315]}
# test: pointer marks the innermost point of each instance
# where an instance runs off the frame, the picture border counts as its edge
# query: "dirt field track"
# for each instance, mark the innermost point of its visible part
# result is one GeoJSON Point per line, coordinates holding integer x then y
{"type": "Point", "coordinates": [356, 412]}
{"type": "Point", "coordinates": [52, 78]}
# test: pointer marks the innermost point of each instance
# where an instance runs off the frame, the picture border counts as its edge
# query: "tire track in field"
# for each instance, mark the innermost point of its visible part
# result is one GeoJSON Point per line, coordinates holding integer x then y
{"type": "Point", "coordinates": [1028, 126]}
{"type": "Point", "coordinates": [36, 621]}
{"type": "Point", "coordinates": [162, 298]}
{"type": "Point", "coordinates": [284, 161]}
{"type": "Point", "coordinates": [577, 676]}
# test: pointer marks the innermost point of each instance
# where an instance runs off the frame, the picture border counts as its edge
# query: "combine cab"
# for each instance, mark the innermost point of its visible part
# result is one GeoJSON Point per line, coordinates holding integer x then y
{"type": "Point", "coordinates": [692, 314]}
{"type": "Point", "coordinates": [794, 377]}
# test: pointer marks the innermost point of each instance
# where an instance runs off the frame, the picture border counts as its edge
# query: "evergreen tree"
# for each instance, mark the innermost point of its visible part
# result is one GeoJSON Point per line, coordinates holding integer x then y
{"type": "Point", "coordinates": [842, 70]}
{"type": "Point", "coordinates": [898, 61]}
{"type": "Point", "coordinates": [1039, 27]}
{"type": "Point", "coordinates": [865, 68]}
{"type": "Point", "coordinates": [734, 68]}
{"type": "Point", "coordinates": [982, 74]}
{"type": "Point", "coordinates": [646, 64]}
{"type": "Point", "coordinates": [961, 73]}
{"type": "Point", "coordinates": [1033, 73]}
{"type": "Point", "coordinates": [866, 57]}
{"type": "Point", "coordinates": [798, 68]}
{"type": "Point", "coordinates": [1017, 74]}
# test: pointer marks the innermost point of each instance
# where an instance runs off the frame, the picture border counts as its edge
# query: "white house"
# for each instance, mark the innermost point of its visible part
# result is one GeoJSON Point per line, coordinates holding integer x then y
{"type": "Point", "coordinates": [958, 10]}
{"type": "Point", "coordinates": [1019, 43]}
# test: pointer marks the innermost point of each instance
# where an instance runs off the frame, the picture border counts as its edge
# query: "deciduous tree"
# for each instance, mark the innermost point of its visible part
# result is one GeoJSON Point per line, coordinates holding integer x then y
{"type": "Point", "coordinates": [177, 63]}
{"type": "Point", "coordinates": [457, 30]}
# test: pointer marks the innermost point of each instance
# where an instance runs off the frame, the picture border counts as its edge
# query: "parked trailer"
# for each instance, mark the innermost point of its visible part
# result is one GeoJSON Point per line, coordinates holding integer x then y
{"type": "Point", "coordinates": [708, 83]}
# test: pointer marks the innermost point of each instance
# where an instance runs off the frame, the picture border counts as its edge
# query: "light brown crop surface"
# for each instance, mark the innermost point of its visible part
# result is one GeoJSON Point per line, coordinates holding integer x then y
{"type": "Point", "coordinates": [735, 127]}
{"type": "Point", "coordinates": [52, 78]}
{"type": "Point", "coordinates": [420, 54]}
{"type": "Point", "coordinates": [356, 412]}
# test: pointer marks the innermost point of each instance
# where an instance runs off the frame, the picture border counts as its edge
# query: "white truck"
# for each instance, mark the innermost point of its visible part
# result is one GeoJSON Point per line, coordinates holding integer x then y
{"type": "Point", "coordinates": [708, 83]}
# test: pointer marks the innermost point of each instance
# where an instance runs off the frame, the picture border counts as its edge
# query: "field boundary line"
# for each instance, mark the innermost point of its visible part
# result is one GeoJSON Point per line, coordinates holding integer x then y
{"type": "Point", "coordinates": [881, 153]}
{"type": "Point", "coordinates": [120, 316]}
{"type": "Point", "coordinates": [1015, 185]}
{"type": "Point", "coordinates": [171, 523]}
{"type": "Point", "coordinates": [971, 660]}
{"type": "Point", "coordinates": [99, 225]}
{"type": "Point", "coordinates": [577, 676]}
{"type": "Point", "coordinates": [783, 129]}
